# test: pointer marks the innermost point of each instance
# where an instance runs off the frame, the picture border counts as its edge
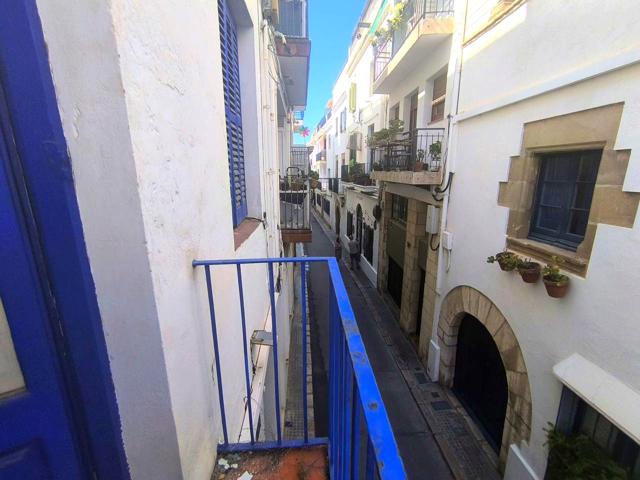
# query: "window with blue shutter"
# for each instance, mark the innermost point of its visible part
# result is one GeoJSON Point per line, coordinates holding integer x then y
{"type": "Point", "coordinates": [233, 111]}
{"type": "Point", "coordinates": [563, 198]}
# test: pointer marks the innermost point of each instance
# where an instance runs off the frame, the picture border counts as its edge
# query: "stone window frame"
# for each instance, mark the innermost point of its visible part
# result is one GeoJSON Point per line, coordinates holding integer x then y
{"type": "Point", "coordinates": [595, 128]}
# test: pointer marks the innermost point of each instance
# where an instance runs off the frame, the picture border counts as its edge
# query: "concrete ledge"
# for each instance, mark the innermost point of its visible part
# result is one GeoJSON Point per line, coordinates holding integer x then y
{"type": "Point", "coordinates": [616, 401]}
{"type": "Point", "coordinates": [408, 177]}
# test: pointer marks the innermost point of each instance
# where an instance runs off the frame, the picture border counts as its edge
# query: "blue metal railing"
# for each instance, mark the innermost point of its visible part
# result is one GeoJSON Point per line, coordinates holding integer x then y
{"type": "Point", "coordinates": [361, 443]}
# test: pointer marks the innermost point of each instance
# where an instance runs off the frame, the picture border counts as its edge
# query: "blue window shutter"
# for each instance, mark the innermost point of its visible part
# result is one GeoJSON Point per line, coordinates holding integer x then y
{"type": "Point", "coordinates": [233, 112]}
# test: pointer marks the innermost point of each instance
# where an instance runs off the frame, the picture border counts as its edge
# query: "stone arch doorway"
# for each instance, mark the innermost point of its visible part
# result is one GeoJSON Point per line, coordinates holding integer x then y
{"type": "Point", "coordinates": [338, 220]}
{"type": "Point", "coordinates": [480, 380]}
{"type": "Point", "coordinates": [465, 301]}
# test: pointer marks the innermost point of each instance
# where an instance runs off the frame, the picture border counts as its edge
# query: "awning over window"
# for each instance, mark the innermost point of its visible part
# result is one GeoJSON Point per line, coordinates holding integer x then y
{"type": "Point", "coordinates": [619, 403]}
{"type": "Point", "coordinates": [378, 19]}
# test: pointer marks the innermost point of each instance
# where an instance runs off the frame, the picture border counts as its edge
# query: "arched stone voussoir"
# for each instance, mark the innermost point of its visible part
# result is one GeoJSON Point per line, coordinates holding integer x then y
{"type": "Point", "coordinates": [466, 300]}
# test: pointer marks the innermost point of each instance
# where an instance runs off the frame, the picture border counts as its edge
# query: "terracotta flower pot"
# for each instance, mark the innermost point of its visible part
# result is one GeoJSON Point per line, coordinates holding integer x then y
{"type": "Point", "coordinates": [556, 289]}
{"type": "Point", "coordinates": [504, 266]}
{"type": "Point", "coordinates": [530, 272]}
{"type": "Point", "coordinates": [418, 167]}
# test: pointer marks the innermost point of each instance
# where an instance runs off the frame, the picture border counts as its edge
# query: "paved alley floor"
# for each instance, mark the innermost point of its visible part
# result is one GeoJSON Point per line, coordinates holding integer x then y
{"type": "Point", "coordinates": [435, 438]}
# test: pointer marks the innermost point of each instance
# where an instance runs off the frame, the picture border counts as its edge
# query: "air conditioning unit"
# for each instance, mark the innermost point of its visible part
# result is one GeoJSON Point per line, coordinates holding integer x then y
{"type": "Point", "coordinates": [270, 11]}
{"type": "Point", "coordinates": [355, 141]}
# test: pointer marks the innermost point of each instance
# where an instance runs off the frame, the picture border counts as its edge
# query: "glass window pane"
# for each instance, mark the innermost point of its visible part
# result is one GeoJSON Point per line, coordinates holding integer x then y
{"type": "Point", "coordinates": [602, 432]}
{"type": "Point", "coordinates": [588, 421]}
{"type": "Point", "coordinates": [553, 194]}
{"type": "Point", "coordinates": [583, 195]}
{"type": "Point", "coordinates": [589, 164]}
{"type": "Point", "coordinates": [578, 222]}
{"type": "Point", "coordinates": [550, 218]}
{"type": "Point", "coordinates": [11, 379]}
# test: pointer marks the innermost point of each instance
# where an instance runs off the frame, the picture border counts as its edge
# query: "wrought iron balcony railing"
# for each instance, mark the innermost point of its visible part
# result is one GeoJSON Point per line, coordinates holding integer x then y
{"type": "Point", "coordinates": [360, 442]}
{"type": "Point", "coordinates": [414, 11]}
{"type": "Point", "coordinates": [294, 201]}
{"type": "Point", "coordinates": [356, 174]}
{"type": "Point", "coordinates": [420, 149]}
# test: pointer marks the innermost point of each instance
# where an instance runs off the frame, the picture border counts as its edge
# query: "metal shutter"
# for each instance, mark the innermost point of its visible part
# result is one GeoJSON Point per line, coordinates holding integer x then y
{"type": "Point", "coordinates": [233, 112]}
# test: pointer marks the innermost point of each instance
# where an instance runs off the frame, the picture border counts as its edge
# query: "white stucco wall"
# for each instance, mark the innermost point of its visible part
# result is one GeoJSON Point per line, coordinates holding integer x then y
{"type": "Point", "coordinates": [598, 317]}
{"type": "Point", "coordinates": [353, 198]}
{"type": "Point", "coordinates": [140, 95]}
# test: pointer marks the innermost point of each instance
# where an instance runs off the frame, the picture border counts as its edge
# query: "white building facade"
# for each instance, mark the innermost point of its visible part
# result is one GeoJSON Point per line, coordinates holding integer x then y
{"type": "Point", "coordinates": [175, 131]}
{"type": "Point", "coordinates": [533, 106]}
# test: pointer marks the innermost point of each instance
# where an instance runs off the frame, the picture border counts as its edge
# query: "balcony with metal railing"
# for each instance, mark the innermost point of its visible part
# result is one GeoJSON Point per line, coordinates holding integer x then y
{"type": "Point", "coordinates": [424, 25]}
{"type": "Point", "coordinates": [360, 442]}
{"type": "Point", "coordinates": [295, 201]}
{"type": "Point", "coordinates": [414, 157]}
{"type": "Point", "coordinates": [356, 177]}
{"type": "Point", "coordinates": [294, 48]}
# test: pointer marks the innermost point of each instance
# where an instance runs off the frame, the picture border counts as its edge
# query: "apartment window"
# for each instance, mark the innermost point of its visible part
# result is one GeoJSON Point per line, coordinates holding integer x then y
{"type": "Point", "coordinates": [367, 243]}
{"type": "Point", "coordinates": [349, 224]}
{"type": "Point", "coordinates": [337, 127]}
{"type": "Point", "coordinates": [395, 112]}
{"type": "Point", "coordinates": [372, 153]}
{"type": "Point", "coordinates": [353, 95]}
{"type": "Point", "coordinates": [399, 207]}
{"type": "Point", "coordinates": [233, 112]}
{"type": "Point", "coordinates": [563, 197]}
{"type": "Point", "coordinates": [576, 417]}
{"type": "Point", "coordinates": [343, 120]}
{"type": "Point", "coordinates": [438, 97]}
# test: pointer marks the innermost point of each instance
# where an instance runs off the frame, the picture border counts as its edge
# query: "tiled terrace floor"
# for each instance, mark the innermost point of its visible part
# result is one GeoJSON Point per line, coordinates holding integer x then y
{"type": "Point", "coordinates": [281, 464]}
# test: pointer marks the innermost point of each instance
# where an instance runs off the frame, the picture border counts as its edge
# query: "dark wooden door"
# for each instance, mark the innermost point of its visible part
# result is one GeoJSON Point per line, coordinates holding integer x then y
{"type": "Point", "coordinates": [480, 380]}
{"type": "Point", "coordinates": [394, 281]}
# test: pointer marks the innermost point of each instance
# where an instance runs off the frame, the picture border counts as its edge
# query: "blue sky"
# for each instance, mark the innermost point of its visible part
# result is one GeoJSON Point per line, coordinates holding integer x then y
{"type": "Point", "coordinates": [331, 24]}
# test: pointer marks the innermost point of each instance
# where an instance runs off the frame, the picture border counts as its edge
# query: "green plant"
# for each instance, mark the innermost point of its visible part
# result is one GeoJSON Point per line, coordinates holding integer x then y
{"type": "Point", "coordinates": [579, 458]}
{"type": "Point", "coordinates": [435, 150]}
{"type": "Point", "coordinates": [551, 271]}
{"type": "Point", "coordinates": [385, 136]}
{"type": "Point", "coordinates": [508, 261]}
{"type": "Point", "coordinates": [313, 174]}
{"type": "Point", "coordinates": [398, 17]}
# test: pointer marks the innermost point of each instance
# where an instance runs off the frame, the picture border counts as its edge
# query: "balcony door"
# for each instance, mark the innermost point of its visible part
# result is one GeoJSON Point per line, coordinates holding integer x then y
{"type": "Point", "coordinates": [37, 439]}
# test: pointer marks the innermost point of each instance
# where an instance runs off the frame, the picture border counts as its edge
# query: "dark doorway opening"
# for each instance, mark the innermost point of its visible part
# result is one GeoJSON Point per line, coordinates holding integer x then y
{"type": "Point", "coordinates": [359, 226]}
{"type": "Point", "coordinates": [394, 281]}
{"type": "Point", "coordinates": [423, 278]}
{"type": "Point", "coordinates": [480, 381]}
{"type": "Point", "coordinates": [338, 220]}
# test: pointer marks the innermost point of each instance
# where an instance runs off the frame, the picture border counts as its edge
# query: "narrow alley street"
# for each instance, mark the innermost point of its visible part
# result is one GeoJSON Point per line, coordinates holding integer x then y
{"type": "Point", "coordinates": [434, 437]}
{"type": "Point", "coordinates": [417, 445]}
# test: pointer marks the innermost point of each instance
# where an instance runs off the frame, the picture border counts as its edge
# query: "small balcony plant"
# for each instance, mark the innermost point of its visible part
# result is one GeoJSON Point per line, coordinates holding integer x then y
{"type": "Point", "coordinates": [555, 282]}
{"type": "Point", "coordinates": [529, 271]}
{"type": "Point", "coordinates": [577, 457]}
{"type": "Point", "coordinates": [435, 152]}
{"type": "Point", "coordinates": [419, 165]}
{"type": "Point", "coordinates": [508, 261]}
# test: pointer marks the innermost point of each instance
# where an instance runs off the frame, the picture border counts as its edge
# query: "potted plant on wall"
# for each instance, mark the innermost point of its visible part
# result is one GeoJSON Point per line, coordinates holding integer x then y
{"type": "Point", "coordinates": [555, 282]}
{"type": "Point", "coordinates": [508, 261]}
{"type": "Point", "coordinates": [529, 271]}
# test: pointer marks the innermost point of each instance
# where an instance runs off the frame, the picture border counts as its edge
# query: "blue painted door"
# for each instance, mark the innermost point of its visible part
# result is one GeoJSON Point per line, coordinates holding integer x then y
{"type": "Point", "coordinates": [37, 438]}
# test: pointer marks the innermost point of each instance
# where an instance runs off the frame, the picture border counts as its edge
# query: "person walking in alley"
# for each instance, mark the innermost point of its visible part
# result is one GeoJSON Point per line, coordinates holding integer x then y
{"type": "Point", "coordinates": [354, 252]}
{"type": "Point", "coordinates": [338, 249]}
